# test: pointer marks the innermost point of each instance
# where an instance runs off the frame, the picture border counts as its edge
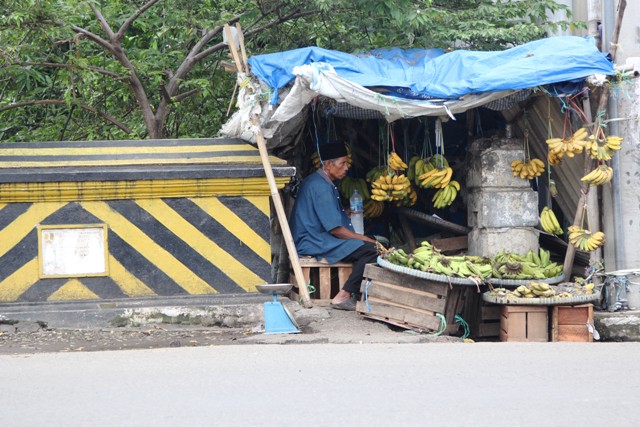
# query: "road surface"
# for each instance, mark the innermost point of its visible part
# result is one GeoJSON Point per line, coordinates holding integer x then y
{"type": "Point", "coordinates": [435, 384]}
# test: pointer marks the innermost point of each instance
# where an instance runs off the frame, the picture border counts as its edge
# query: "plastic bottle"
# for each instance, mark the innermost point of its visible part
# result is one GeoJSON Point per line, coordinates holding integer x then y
{"type": "Point", "coordinates": [357, 212]}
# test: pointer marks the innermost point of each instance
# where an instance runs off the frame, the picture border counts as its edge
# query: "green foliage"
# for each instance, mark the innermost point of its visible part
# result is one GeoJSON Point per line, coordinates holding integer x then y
{"type": "Point", "coordinates": [69, 87]}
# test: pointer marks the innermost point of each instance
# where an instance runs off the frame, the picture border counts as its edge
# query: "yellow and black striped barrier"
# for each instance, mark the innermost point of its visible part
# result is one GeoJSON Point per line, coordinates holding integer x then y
{"type": "Point", "coordinates": [180, 217]}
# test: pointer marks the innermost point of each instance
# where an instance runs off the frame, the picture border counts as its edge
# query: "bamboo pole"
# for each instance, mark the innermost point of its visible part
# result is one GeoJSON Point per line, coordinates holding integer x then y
{"type": "Point", "coordinates": [268, 171]}
{"type": "Point", "coordinates": [282, 218]}
{"type": "Point", "coordinates": [588, 162]}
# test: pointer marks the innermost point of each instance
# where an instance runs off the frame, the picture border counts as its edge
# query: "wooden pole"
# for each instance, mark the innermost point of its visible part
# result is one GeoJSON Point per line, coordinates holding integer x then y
{"type": "Point", "coordinates": [268, 171]}
{"type": "Point", "coordinates": [282, 218]}
{"type": "Point", "coordinates": [588, 162]}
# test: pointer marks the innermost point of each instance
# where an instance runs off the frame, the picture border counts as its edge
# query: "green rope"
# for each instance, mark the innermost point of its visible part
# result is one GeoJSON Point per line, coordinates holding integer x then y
{"type": "Point", "coordinates": [464, 324]}
{"type": "Point", "coordinates": [311, 289]}
{"type": "Point", "coordinates": [443, 325]}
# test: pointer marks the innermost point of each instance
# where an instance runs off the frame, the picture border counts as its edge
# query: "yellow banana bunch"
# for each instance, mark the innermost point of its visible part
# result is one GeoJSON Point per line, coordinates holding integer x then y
{"type": "Point", "coordinates": [376, 173]}
{"type": "Point", "coordinates": [614, 142]}
{"type": "Point", "coordinates": [584, 239]}
{"type": "Point", "coordinates": [315, 159]}
{"type": "Point", "coordinates": [527, 170]}
{"type": "Point", "coordinates": [554, 158]}
{"type": "Point", "coordinates": [387, 187]}
{"type": "Point", "coordinates": [435, 178]}
{"type": "Point", "coordinates": [420, 168]}
{"type": "Point", "coordinates": [600, 175]}
{"type": "Point", "coordinates": [549, 221]}
{"type": "Point", "coordinates": [373, 208]}
{"type": "Point", "coordinates": [395, 162]}
{"type": "Point", "coordinates": [445, 196]}
{"type": "Point", "coordinates": [569, 146]}
{"type": "Point", "coordinates": [410, 199]}
{"type": "Point", "coordinates": [598, 150]}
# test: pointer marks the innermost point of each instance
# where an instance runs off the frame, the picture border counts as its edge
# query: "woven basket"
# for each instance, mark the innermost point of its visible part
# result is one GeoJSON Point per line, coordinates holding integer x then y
{"type": "Point", "coordinates": [461, 280]}
{"type": "Point", "coordinates": [429, 276]}
{"type": "Point", "coordinates": [578, 299]}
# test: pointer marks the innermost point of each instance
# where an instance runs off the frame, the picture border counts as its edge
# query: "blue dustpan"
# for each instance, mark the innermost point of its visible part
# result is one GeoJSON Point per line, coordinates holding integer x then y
{"type": "Point", "coordinates": [277, 319]}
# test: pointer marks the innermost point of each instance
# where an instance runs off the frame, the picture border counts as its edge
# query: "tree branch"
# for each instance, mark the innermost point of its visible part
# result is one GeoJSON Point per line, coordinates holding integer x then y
{"type": "Point", "coordinates": [102, 114]}
{"type": "Point", "coordinates": [103, 22]}
{"type": "Point", "coordinates": [93, 37]}
{"type": "Point", "coordinates": [186, 94]}
{"type": "Point", "coordinates": [132, 18]}
{"type": "Point", "coordinates": [72, 67]}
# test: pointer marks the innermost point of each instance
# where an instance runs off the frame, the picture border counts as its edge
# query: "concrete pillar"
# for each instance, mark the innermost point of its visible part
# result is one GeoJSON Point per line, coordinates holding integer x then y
{"type": "Point", "coordinates": [502, 210]}
{"type": "Point", "coordinates": [621, 199]}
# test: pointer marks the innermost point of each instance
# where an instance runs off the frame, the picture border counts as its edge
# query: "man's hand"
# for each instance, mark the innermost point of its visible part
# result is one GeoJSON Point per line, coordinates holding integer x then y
{"type": "Point", "coordinates": [344, 233]}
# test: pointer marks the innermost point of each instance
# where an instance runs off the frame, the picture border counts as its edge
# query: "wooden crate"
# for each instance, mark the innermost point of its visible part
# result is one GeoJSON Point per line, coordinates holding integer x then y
{"type": "Point", "coordinates": [488, 324]}
{"type": "Point", "coordinates": [408, 301]}
{"type": "Point", "coordinates": [569, 323]}
{"type": "Point", "coordinates": [528, 323]}
{"type": "Point", "coordinates": [327, 278]}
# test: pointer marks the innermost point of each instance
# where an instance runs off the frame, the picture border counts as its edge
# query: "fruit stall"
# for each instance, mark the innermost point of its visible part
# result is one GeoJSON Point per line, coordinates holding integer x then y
{"type": "Point", "coordinates": [458, 181]}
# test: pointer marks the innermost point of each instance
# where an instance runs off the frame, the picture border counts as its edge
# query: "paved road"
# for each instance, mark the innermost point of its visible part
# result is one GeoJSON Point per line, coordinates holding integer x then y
{"type": "Point", "coordinates": [482, 384]}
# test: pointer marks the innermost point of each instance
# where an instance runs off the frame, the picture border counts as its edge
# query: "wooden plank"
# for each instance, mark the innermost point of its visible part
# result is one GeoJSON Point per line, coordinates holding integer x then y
{"type": "Point", "coordinates": [380, 274]}
{"type": "Point", "coordinates": [538, 326]}
{"type": "Point", "coordinates": [524, 323]}
{"type": "Point", "coordinates": [573, 315]}
{"type": "Point", "coordinates": [405, 296]}
{"type": "Point", "coordinates": [523, 309]}
{"type": "Point", "coordinates": [486, 330]}
{"type": "Point", "coordinates": [325, 283]}
{"type": "Point", "coordinates": [383, 310]}
{"type": "Point", "coordinates": [569, 323]}
{"type": "Point", "coordinates": [453, 302]}
{"type": "Point", "coordinates": [312, 262]}
{"type": "Point", "coordinates": [451, 243]}
{"type": "Point", "coordinates": [490, 312]}
{"type": "Point", "coordinates": [573, 333]}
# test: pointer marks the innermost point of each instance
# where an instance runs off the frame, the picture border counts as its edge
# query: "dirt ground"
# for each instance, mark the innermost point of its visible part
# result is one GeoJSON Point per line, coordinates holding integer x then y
{"type": "Point", "coordinates": [46, 340]}
{"type": "Point", "coordinates": [331, 326]}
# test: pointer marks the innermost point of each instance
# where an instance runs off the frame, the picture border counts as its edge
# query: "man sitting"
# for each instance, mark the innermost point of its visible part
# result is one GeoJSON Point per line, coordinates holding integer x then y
{"type": "Point", "coordinates": [321, 227]}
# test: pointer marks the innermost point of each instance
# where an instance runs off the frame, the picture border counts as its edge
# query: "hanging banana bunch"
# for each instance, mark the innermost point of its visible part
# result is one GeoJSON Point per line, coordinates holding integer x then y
{"type": "Point", "coordinates": [435, 173]}
{"type": "Point", "coordinates": [446, 195]}
{"type": "Point", "coordinates": [602, 174]}
{"type": "Point", "coordinates": [410, 199]}
{"type": "Point", "coordinates": [373, 208]}
{"type": "Point", "coordinates": [421, 167]}
{"type": "Point", "coordinates": [375, 173]}
{"type": "Point", "coordinates": [395, 162]}
{"type": "Point", "coordinates": [602, 147]}
{"type": "Point", "coordinates": [528, 169]}
{"type": "Point", "coordinates": [387, 188]}
{"type": "Point", "coordinates": [411, 171]}
{"type": "Point", "coordinates": [554, 158]}
{"type": "Point", "coordinates": [569, 146]}
{"type": "Point", "coordinates": [585, 240]}
{"type": "Point", "coordinates": [315, 159]}
{"type": "Point", "coordinates": [549, 221]}
{"type": "Point", "coordinates": [348, 184]}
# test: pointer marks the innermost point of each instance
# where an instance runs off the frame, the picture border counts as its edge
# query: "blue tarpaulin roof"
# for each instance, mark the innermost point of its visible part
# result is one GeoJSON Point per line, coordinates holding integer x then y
{"type": "Point", "coordinates": [432, 73]}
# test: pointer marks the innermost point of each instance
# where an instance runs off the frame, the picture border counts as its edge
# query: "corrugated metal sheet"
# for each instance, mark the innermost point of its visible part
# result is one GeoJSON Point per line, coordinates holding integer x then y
{"type": "Point", "coordinates": [543, 116]}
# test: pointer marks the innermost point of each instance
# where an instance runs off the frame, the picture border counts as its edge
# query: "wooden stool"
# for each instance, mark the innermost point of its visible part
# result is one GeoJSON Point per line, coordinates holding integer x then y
{"type": "Point", "coordinates": [320, 273]}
